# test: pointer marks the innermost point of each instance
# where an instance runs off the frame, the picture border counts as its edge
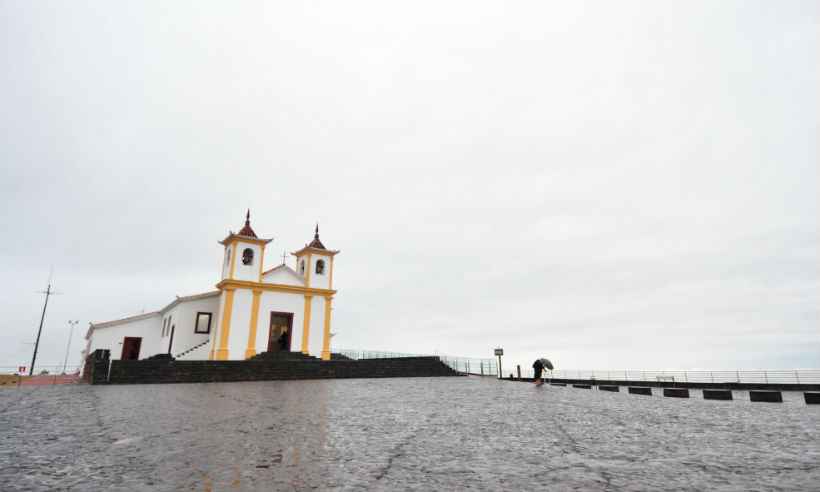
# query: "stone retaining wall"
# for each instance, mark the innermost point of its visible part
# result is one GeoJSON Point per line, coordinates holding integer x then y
{"type": "Point", "coordinates": [165, 371]}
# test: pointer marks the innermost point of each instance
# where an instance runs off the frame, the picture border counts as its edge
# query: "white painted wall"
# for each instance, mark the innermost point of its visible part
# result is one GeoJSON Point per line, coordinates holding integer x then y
{"type": "Point", "coordinates": [284, 276]}
{"type": "Point", "coordinates": [111, 337]}
{"type": "Point", "coordinates": [240, 322]}
{"type": "Point", "coordinates": [280, 302]}
{"type": "Point", "coordinates": [247, 272]}
{"type": "Point", "coordinates": [226, 262]}
{"type": "Point", "coordinates": [318, 281]}
{"type": "Point", "coordinates": [317, 325]}
{"type": "Point", "coordinates": [183, 317]}
{"type": "Point", "coordinates": [217, 328]}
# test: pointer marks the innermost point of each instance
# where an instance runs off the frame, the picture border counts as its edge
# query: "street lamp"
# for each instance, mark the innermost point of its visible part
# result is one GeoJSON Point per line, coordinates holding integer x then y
{"type": "Point", "coordinates": [72, 324]}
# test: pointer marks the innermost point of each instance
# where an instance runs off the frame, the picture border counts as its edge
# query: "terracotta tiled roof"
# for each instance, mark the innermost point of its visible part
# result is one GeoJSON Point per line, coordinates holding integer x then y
{"type": "Point", "coordinates": [316, 243]}
{"type": "Point", "coordinates": [247, 231]}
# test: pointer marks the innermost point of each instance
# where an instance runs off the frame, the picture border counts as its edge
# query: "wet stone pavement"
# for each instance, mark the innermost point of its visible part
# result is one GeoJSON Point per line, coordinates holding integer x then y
{"type": "Point", "coordinates": [387, 434]}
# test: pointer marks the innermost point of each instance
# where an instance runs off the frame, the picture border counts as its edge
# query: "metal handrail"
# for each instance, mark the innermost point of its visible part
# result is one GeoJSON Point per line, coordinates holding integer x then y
{"type": "Point", "coordinates": [42, 370]}
{"type": "Point", "coordinates": [191, 349]}
{"type": "Point", "coordinates": [466, 365]}
{"type": "Point", "coordinates": [778, 376]}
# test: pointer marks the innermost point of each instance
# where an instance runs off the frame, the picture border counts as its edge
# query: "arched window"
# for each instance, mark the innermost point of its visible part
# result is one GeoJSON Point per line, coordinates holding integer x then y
{"type": "Point", "coordinates": [302, 267]}
{"type": "Point", "coordinates": [247, 256]}
{"type": "Point", "coordinates": [320, 267]}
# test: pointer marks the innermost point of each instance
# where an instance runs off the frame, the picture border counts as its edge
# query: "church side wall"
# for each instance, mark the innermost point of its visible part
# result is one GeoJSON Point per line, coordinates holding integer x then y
{"type": "Point", "coordinates": [184, 319]}
{"type": "Point", "coordinates": [217, 326]}
{"type": "Point", "coordinates": [111, 337]}
{"type": "Point", "coordinates": [280, 302]}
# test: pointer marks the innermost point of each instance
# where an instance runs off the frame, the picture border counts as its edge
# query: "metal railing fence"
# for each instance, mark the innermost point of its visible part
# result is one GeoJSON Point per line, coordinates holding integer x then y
{"type": "Point", "coordinates": [41, 370]}
{"type": "Point", "coordinates": [11, 376]}
{"type": "Point", "coordinates": [791, 376]}
{"type": "Point", "coordinates": [467, 365]}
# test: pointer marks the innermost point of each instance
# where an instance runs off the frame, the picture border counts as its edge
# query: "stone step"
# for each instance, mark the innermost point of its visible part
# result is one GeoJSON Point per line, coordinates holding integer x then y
{"type": "Point", "coordinates": [282, 356]}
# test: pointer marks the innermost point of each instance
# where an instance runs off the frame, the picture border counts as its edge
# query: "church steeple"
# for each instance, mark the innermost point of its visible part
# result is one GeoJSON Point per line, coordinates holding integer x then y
{"type": "Point", "coordinates": [244, 254]}
{"type": "Point", "coordinates": [314, 262]}
{"type": "Point", "coordinates": [316, 243]}
{"type": "Point", "coordinates": [247, 231]}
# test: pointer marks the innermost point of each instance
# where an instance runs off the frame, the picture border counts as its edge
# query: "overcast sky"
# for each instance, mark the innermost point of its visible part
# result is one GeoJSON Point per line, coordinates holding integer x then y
{"type": "Point", "coordinates": [609, 184]}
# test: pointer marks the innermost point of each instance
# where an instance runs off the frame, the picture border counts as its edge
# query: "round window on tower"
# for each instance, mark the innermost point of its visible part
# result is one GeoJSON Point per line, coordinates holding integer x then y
{"type": "Point", "coordinates": [247, 256]}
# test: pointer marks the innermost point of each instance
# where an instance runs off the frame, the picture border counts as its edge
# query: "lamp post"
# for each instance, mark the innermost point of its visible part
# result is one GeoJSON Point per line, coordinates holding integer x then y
{"type": "Point", "coordinates": [72, 324]}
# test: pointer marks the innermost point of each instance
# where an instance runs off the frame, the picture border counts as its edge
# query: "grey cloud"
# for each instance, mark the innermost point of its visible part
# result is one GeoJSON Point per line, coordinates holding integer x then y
{"type": "Point", "coordinates": [593, 182]}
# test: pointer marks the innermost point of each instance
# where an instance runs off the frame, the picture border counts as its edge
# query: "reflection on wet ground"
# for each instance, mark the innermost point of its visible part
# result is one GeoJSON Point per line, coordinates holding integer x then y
{"type": "Point", "coordinates": [431, 434]}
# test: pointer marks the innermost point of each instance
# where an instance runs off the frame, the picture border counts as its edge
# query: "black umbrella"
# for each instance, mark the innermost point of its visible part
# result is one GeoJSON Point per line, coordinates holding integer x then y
{"type": "Point", "coordinates": [547, 364]}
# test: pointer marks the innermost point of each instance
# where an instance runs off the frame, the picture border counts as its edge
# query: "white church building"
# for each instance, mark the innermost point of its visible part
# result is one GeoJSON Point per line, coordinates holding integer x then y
{"type": "Point", "coordinates": [252, 310]}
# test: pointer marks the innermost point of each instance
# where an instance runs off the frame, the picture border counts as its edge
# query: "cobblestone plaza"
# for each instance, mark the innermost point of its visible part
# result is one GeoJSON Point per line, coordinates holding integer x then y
{"type": "Point", "coordinates": [428, 434]}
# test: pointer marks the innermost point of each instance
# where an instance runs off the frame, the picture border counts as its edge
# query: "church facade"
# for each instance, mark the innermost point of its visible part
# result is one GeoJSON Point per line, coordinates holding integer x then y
{"type": "Point", "coordinates": [252, 310]}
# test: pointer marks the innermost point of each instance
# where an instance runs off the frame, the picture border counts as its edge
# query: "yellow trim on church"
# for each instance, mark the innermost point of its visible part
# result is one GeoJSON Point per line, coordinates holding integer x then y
{"type": "Point", "coordinates": [330, 278]}
{"type": "Point", "coordinates": [261, 261]}
{"type": "Point", "coordinates": [326, 339]}
{"type": "Point", "coordinates": [309, 268]}
{"type": "Point", "coordinates": [250, 351]}
{"type": "Point", "coordinates": [233, 247]}
{"type": "Point", "coordinates": [306, 324]}
{"type": "Point", "coordinates": [296, 289]}
{"type": "Point", "coordinates": [235, 238]}
{"type": "Point", "coordinates": [318, 251]}
{"type": "Point", "coordinates": [225, 328]}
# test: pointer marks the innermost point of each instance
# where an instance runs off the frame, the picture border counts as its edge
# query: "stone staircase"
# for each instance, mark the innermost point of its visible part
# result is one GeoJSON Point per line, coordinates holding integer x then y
{"type": "Point", "coordinates": [283, 356]}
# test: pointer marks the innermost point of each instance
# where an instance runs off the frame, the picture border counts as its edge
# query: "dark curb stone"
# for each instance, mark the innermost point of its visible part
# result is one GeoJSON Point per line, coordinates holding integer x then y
{"type": "Point", "coordinates": [640, 390]}
{"type": "Point", "coordinates": [766, 396]}
{"type": "Point", "coordinates": [717, 394]}
{"type": "Point", "coordinates": [558, 384]}
{"type": "Point", "coordinates": [725, 385]}
{"type": "Point", "coordinates": [676, 392]}
{"type": "Point", "coordinates": [812, 398]}
{"type": "Point", "coordinates": [582, 386]}
{"type": "Point", "coordinates": [609, 388]}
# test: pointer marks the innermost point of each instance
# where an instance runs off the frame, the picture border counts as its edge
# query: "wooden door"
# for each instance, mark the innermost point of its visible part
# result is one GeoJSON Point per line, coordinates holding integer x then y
{"type": "Point", "coordinates": [280, 324]}
{"type": "Point", "coordinates": [131, 348]}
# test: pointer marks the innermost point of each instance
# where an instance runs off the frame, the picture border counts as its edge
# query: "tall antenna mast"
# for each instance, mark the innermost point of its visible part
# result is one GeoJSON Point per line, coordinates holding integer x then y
{"type": "Point", "coordinates": [48, 292]}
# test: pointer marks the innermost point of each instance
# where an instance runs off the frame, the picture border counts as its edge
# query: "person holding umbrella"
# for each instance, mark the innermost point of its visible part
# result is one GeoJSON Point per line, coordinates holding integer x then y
{"type": "Point", "coordinates": [538, 367]}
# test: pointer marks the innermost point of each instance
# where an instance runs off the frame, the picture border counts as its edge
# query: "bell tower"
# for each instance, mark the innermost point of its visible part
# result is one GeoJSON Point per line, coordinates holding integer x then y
{"type": "Point", "coordinates": [244, 254]}
{"type": "Point", "coordinates": [314, 263]}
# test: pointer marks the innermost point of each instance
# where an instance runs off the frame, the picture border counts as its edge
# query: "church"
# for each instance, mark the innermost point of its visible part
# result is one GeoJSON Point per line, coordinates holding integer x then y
{"type": "Point", "coordinates": [252, 310]}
